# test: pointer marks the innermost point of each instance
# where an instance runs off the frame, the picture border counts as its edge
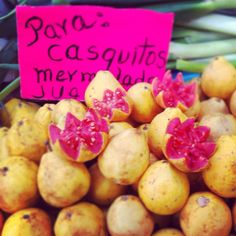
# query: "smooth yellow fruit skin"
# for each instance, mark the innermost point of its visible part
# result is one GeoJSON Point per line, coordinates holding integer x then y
{"type": "Point", "coordinates": [200, 93]}
{"type": "Point", "coordinates": [168, 232]}
{"type": "Point", "coordinates": [18, 109]}
{"type": "Point", "coordinates": [61, 182]}
{"type": "Point", "coordinates": [145, 107]}
{"type": "Point", "coordinates": [28, 222]}
{"type": "Point", "coordinates": [44, 115]}
{"type": "Point", "coordinates": [64, 106]}
{"type": "Point", "coordinates": [6, 113]}
{"type": "Point", "coordinates": [219, 124]}
{"type": "Point", "coordinates": [27, 138]}
{"type": "Point", "coordinates": [4, 153]}
{"type": "Point", "coordinates": [152, 159]}
{"type": "Point", "coordinates": [163, 189]}
{"type": "Point", "coordinates": [18, 183]}
{"type": "Point", "coordinates": [127, 216]}
{"type": "Point", "coordinates": [205, 214]}
{"type": "Point", "coordinates": [144, 129]}
{"type": "Point", "coordinates": [11, 105]}
{"type": "Point", "coordinates": [220, 175]}
{"type": "Point", "coordinates": [219, 78]}
{"type": "Point", "coordinates": [213, 106]}
{"type": "Point", "coordinates": [24, 110]}
{"type": "Point", "coordinates": [3, 132]}
{"type": "Point", "coordinates": [194, 110]}
{"type": "Point", "coordinates": [232, 103]}
{"type": "Point", "coordinates": [157, 128]}
{"type": "Point", "coordinates": [103, 191]}
{"type": "Point", "coordinates": [125, 158]}
{"type": "Point", "coordinates": [4, 117]}
{"type": "Point", "coordinates": [117, 127]}
{"type": "Point", "coordinates": [82, 219]}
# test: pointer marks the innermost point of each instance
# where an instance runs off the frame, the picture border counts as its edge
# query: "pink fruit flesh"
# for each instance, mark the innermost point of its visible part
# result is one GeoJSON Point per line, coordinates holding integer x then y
{"type": "Point", "coordinates": [111, 100]}
{"type": "Point", "coordinates": [77, 134]}
{"type": "Point", "coordinates": [189, 142]}
{"type": "Point", "coordinates": [174, 90]}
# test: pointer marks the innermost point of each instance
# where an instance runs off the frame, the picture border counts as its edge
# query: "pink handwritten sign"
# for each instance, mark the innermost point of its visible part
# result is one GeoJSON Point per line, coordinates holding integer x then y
{"type": "Point", "coordinates": [62, 47]}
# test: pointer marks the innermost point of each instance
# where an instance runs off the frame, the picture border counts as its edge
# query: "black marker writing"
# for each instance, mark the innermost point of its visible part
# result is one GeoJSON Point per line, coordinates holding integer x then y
{"type": "Point", "coordinates": [59, 30]}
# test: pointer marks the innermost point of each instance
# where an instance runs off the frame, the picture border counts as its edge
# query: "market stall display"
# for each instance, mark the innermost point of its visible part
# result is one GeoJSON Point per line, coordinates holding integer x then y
{"type": "Point", "coordinates": [155, 159]}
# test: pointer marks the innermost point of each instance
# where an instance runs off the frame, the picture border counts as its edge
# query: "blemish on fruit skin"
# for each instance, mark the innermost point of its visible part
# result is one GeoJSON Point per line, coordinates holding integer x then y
{"type": "Point", "coordinates": [233, 189]}
{"type": "Point", "coordinates": [124, 198]}
{"type": "Point", "coordinates": [203, 201]}
{"type": "Point", "coordinates": [20, 123]}
{"type": "Point", "coordinates": [145, 127]}
{"type": "Point", "coordinates": [4, 170]}
{"type": "Point", "coordinates": [205, 228]}
{"type": "Point", "coordinates": [151, 182]}
{"type": "Point", "coordinates": [46, 143]}
{"type": "Point", "coordinates": [68, 215]}
{"type": "Point", "coordinates": [26, 216]}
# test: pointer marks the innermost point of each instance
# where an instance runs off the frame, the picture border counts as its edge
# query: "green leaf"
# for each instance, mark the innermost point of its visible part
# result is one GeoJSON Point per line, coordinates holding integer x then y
{"type": "Point", "coordinates": [9, 66]}
{"type": "Point", "coordinates": [9, 88]}
{"type": "Point", "coordinates": [60, 2]}
{"type": "Point", "coordinates": [190, 66]}
{"type": "Point", "coordinates": [12, 12]}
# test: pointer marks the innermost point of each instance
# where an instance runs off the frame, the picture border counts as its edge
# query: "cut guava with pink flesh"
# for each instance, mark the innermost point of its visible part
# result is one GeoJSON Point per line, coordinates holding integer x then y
{"type": "Point", "coordinates": [174, 91]}
{"type": "Point", "coordinates": [111, 101]}
{"type": "Point", "coordinates": [189, 142]}
{"type": "Point", "coordinates": [86, 133]}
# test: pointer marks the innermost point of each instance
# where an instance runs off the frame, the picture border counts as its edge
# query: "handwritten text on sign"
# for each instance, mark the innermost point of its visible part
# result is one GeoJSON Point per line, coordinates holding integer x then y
{"type": "Point", "coordinates": [62, 47]}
